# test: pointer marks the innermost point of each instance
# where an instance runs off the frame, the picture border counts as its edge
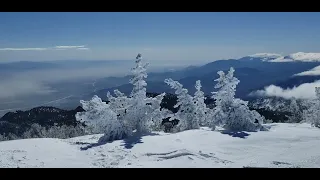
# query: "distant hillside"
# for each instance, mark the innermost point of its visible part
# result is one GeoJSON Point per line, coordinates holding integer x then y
{"type": "Point", "coordinates": [20, 121]}
{"type": "Point", "coordinates": [253, 75]}
{"type": "Point", "coordinates": [296, 81]}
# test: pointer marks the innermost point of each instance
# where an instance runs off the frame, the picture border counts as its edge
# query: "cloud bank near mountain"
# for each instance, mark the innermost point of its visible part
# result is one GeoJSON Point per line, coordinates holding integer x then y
{"type": "Point", "coordinates": [303, 91]}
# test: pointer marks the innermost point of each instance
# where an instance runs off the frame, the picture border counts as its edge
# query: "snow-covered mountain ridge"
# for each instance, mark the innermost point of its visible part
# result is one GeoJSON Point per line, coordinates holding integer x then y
{"type": "Point", "coordinates": [299, 56]}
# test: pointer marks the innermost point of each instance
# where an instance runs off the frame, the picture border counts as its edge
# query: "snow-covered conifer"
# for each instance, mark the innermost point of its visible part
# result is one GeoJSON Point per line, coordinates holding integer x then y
{"type": "Point", "coordinates": [98, 114]}
{"type": "Point", "coordinates": [201, 108]}
{"type": "Point", "coordinates": [187, 108]}
{"type": "Point", "coordinates": [139, 73]}
{"type": "Point", "coordinates": [155, 113]}
{"type": "Point", "coordinates": [120, 105]}
{"type": "Point", "coordinates": [35, 131]}
{"type": "Point", "coordinates": [295, 110]}
{"type": "Point", "coordinates": [312, 113]}
{"type": "Point", "coordinates": [3, 137]}
{"type": "Point", "coordinates": [144, 112]}
{"type": "Point", "coordinates": [230, 112]}
{"type": "Point", "coordinates": [137, 111]}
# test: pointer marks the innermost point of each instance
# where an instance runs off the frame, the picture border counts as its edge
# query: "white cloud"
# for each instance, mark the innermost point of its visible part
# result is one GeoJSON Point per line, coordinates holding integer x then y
{"type": "Point", "coordinates": [69, 47]}
{"type": "Point", "coordinates": [303, 91]}
{"type": "Point", "coordinates": [312, 72]}
{"type": "Point", "coordinates": [23, 49]}
{"type": "Point", "coordinates": [82, 47]}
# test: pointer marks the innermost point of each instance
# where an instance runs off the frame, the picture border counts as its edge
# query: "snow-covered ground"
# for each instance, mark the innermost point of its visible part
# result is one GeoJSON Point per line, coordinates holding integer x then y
{"type": "Point", "coordinates": [285, 145]}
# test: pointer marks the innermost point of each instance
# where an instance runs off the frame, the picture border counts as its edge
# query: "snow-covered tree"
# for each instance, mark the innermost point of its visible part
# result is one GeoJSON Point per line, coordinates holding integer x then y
{"type": "Point", "coordinates": [312, 114]}
{"type": "Point", "coordinates": [230, 112]}
{"type": "Point", "coordinates": [201, 108]}
{"type": "Point", "coordinates": [241, 118]}
{"type": "Point", "coordinates": [55, 131]}
{"type": "Point", "coordinates": [98, 114]}
{"type": "Point", "coordinates": [138, 111]}
{"type": "Point", "coordinates": [138, 108]}
{"type": "Point", "coordinates": [64, 131]}
{"type": "Point", "coordinates": [187, 108]}
{"type": "Point", "coordinates": [144, 112]}
{"type": "Point", "coordinates": [35, 131]}
{"type": "Point", "coordinates": [224, 97]}
{"type": "Point", "coordinates": [121, 105]}
{"type": "Point", "coordinates": [295, 110]}
{"type": "Point", "coordinates": [3, 137]}
{"type": "Point", "coordinates": [139, 73]}
{"type": "Point", "coordinates": [155, 113]}
{"type": "Point", "coordinates": [271, 103]}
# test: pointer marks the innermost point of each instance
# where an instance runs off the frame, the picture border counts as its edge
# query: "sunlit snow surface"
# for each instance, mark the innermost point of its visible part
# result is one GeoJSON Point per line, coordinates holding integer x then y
{"type": "Point", "coordinates": [284, 145]}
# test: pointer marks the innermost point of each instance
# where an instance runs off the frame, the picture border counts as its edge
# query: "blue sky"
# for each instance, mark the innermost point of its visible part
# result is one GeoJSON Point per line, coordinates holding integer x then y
{"type": "Point", "coordinates": [159, 36]}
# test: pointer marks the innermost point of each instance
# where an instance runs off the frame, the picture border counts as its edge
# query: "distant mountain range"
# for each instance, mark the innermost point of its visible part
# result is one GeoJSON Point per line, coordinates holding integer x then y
{"type": "Point", "coordinates": [254, 72]}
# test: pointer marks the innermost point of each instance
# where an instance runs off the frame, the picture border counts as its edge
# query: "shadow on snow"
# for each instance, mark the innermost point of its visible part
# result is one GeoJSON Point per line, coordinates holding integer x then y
{"type": "Point", "coordinates": [129, 142]}
{"type": "Point", "coordinates": [238, 134]}
{"type": "Point", "coordinates": [135, 139]}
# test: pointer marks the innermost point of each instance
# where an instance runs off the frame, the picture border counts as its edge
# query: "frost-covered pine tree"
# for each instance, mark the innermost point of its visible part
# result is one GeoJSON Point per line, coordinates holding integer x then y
{"type": "Point", "coordinates": [295, 110]}
{"type": "Point", "coordinates": [155, 113]}
{"type": "Point", "coordinates": [98, 114]}
{"type": "Point", "coordinates": [271, 103]}
{"type": "Point", "coordinates": [123, 115]}
{"type": "Point", "coordinates": [3, 137]}
{"type": "Point", "coordinates": [139, 73]}
{"type": "Point", "coordinates": [35, 131]}
{"type": "Point", "coordinates": [224, 97]}
{"type": "Point", "coordinates": [121, 105]}
{"type": "Point", "coordinates": [138, 111]}
{"type": "Point", "coordinates": [312, 114]}
{"type": "Point", "coordinates": [64, 131]}
{"type": "Point", "coordinates": [201, 108]}
{"type": "Point", "coordinates": [144, 111]}
{"type": "Point", "coordinates": [230, 112]}
{"type": "Point", "coordinates": [187, 108]}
